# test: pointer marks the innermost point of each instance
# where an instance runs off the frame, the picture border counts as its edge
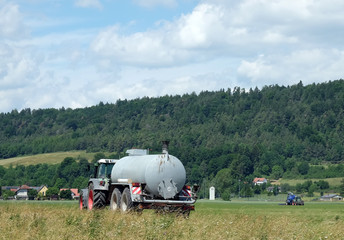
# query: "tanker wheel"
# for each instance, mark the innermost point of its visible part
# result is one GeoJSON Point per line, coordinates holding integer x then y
{"type": "Point", "coordinates": [96, 199]}
{"type": "Point", "coordinates": [126, 202]}
{"type": "Point", "coordinates": [115, 201]}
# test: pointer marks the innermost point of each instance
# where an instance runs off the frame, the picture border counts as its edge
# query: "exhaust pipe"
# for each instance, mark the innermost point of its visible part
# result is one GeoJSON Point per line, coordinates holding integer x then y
{"type": "Point", "coordinates": [165, 146]}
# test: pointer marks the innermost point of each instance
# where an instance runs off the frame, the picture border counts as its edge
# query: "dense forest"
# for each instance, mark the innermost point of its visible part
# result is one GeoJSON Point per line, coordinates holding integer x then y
{"type": "Point", "coordinates": [276, 131]}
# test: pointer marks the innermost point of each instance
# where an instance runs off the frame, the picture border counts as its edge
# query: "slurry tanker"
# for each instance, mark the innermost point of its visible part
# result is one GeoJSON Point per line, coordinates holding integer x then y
{"type": "Point", "coordinates": [140, 181]}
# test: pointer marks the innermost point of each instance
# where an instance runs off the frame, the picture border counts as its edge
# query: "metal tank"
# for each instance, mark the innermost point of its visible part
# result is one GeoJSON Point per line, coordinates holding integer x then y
{"type": "Point", "coordinates": [163, 174]}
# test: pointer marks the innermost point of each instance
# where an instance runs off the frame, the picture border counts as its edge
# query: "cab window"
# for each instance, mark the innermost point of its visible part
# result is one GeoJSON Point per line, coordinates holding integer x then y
{"type": "Point", "coordinates": [102, 171]}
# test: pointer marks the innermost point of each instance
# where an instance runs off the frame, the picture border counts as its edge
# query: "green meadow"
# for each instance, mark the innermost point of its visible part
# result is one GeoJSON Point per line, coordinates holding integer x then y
{"type": "Point", "coordinates": [210, 220]}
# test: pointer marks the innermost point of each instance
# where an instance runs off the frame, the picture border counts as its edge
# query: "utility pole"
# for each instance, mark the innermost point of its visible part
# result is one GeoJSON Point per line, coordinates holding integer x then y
{"type": "Point", "coordinates": [239, 188]}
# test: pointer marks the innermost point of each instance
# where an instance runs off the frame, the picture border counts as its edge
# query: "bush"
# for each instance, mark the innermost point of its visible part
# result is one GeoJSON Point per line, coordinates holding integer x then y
{"type": "Point", "coordinates": [226, 195]}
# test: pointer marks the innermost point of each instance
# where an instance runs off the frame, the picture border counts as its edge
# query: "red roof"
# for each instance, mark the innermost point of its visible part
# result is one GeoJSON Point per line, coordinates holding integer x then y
{"type": "Point", "coordinates": [25, 187]}
{"type": "Point", "coordinates": [259, 180]}
{"type": "Point", "coordinates": [75, 192]}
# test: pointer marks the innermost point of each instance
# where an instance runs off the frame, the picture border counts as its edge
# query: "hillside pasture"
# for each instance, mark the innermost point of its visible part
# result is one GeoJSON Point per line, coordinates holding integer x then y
{"type": "Point", "coordinates": [211, 220]}
{"type": "Point", "coordinates": [334, 182]}
{"type": "Point", "coordinates": [49, 158]}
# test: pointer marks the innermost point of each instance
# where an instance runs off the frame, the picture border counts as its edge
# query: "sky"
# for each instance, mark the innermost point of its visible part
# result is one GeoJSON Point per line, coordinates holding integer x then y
{"type": "Point", "coordinates": [76, 53]}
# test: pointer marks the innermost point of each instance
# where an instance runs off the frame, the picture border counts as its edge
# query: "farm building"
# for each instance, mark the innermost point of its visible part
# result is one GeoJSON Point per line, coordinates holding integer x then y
{"type": "Point", "coordinates": [331, 198]}
{"type": "Point", "coordinates": [259, 181]}
{"type": "Point", "coordinates": [42, 190]}
{"type": "Point", "coordinates": [22, 192]}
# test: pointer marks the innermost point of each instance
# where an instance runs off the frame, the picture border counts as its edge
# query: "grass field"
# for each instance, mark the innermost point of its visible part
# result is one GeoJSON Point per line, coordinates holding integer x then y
{"type": "Point", "coordinates": [211, 220]}
{"type": "Point", "coordinates": [50, 158]}
{"type": "Point", "coordinates": [334, 182]}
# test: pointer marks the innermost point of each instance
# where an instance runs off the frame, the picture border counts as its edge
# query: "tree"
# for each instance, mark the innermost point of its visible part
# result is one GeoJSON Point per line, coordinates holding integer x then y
{"type": "Point", "coordinates": [8, 194]}
{"type": "Point", "coordinates": [53, 192]}
{"type": "Point", "coordinates": [311, 190]}
{"type": "Point", "coordinates": [246, 191]}
{"type": "Point", "coordinates": [275, 190]}
{"type": "Point", "coordinates": [323, 184]}
{"type": "Point", "coordinates": [341, 187]}
{"type": "Point", "coordinates": [226, 195]}
{"type": "Point", "coordinates": [60, 183]}
{"type": "Point", "coordinates": [277, 172]}
{"type": "Point", "coordinates": [98, 156]}
{"type": "Point", "coordinates": [66, 194]}
{"type": "Point", "coordinates": [32, 194]}
{"type": "Point", "coordinates": [299, 188]}
{"type": "Point", "coordinates": [257, 189]}
{"type": "Point", "coordinates": [303, 168]}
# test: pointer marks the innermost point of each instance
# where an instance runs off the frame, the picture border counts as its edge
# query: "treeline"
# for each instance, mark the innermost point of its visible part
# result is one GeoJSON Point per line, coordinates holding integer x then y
{"type": "Point", "coordinates": [276, 131]}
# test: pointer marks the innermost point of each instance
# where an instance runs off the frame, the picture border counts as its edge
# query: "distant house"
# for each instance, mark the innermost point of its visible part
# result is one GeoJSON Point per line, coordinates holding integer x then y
{"type": "Point", "coordinates": [271, 189]}
{"type": "Point", "coordinates": [331, 198]}
{"type": "Point", "coordinates": [22, 192]}
{"type": "Point", "coordinates": [75, 193]}
{"type": "Point", "coordinates": [259, 181]}
{"type": "Point", "coordinates": [10, 188]}
{"type": "Point", "coordinates": [42, 190]}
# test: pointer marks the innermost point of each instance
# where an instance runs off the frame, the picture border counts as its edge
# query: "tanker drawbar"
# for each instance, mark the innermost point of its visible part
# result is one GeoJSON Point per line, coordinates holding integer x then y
{"type": "Point", "coordinates": [140, 181]}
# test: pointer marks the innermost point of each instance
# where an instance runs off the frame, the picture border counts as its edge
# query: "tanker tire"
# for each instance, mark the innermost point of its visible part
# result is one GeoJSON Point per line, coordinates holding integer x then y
{"type": "Point", "coordinates": [126, 202]}
{"type": "Point", "coordinates": [115, 201]}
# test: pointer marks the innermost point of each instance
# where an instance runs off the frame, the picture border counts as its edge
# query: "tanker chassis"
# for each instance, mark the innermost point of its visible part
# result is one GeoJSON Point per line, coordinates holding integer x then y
{"type": "Point", "coordinates": [140, 181]}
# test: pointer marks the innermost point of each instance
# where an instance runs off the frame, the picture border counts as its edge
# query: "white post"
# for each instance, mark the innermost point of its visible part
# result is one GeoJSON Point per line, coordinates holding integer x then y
{"type": "Point", "coordinates": [212, 193]}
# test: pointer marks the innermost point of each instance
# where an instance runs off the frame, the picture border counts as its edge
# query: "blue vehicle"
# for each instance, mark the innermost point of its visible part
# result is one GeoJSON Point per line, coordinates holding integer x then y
{"type": "Point", "coordinates": [292, 199]}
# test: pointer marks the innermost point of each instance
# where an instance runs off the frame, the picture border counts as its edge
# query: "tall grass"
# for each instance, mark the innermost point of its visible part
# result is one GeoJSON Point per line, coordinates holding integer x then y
{"type": "Point", "coordinates": [211, 220]}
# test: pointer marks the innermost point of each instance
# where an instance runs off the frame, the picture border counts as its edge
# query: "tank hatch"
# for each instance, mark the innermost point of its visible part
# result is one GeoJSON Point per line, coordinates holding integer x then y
{"type": "Point", "coordinates": [167, 189]}
{"type": "Point", "coordinates": [137, 152]}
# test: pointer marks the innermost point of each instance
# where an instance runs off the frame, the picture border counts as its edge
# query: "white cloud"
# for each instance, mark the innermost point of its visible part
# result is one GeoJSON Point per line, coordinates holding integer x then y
{"type": "Point", "coordinates": [89, 4]}
{"type": "Point", "coordinates": [154, 3]}
{"type": "Point", "coordinates": [314, 65]}
{"type": "Point", "coordinates": [219, 44]}
{"type": "Point", "coordinates": [11, 24]}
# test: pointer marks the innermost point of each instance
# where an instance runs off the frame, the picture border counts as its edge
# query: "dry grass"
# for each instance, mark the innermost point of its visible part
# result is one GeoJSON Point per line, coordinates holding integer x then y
{"type": "Point", "coordinates": [217, 220]}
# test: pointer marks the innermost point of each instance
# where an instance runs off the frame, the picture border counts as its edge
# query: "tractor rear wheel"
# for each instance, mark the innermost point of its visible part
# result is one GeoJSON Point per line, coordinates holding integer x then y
{"type": "Point", "coordinates": [96, 199]}
{"type": "Point", "coordinates": [126, 202]}
{"type": "Point", "coordinates": [115, 201]}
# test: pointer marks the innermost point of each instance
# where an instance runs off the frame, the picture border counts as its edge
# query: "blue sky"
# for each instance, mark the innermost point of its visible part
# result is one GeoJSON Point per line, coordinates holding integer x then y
{"type": "Point", "coordinates": [76, 53]}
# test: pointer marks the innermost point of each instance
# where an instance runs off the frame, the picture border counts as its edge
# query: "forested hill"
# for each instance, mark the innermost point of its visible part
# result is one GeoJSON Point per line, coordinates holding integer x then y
{"type": "Point", "coordinates": [252, 131]}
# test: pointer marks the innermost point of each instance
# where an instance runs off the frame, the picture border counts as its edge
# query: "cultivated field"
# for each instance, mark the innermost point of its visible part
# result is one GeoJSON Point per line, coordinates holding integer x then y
{"type": "Point", "coordinates": [211, 220]}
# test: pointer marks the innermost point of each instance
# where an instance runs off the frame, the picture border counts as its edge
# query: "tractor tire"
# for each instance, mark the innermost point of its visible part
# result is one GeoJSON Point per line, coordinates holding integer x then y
{"type": "Point", "coordinates": [126, 202]}
{"type": "Point", "coordinates": [96, 199]}
{"type": "Point", "coordinates": [115, 201]}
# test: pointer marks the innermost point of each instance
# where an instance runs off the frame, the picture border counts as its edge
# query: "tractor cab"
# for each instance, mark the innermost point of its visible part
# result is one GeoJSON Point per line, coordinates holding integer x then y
{"type": "Point", "coordinates": [103, 168]}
